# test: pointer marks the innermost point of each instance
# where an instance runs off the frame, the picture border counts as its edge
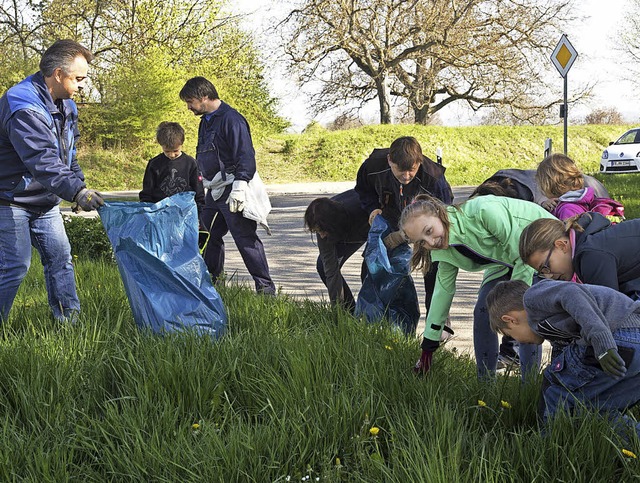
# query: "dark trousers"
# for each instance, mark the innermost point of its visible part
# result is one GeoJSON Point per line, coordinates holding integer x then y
{"type": "Point", "coordinates": [244, 233]}
{"type": "Point", "coordinates": [344, 250]}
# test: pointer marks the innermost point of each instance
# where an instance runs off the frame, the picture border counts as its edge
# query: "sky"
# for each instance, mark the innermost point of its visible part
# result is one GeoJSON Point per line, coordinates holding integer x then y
{"type": "Point", "coordinates": [592, 37]}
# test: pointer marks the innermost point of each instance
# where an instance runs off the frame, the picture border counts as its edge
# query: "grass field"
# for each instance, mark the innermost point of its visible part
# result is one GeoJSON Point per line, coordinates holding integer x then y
{"type": "Point", "coordinates": [293, 392]}
{"type": "Point", "coordinates": [471, 154]}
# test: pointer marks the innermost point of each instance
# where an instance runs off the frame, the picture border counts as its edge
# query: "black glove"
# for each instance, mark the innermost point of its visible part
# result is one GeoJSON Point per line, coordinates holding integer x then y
{"type": "Point", "coordinates": [89, 199]}
{"type": "Point", "coordinates": [612, 363]}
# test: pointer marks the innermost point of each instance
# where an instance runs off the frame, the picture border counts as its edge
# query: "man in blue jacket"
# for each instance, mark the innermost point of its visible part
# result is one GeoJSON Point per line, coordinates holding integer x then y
{"type": "Point", "coordinates": [38, 133]}
{"type": "Point", "coordinates": [227, 161]}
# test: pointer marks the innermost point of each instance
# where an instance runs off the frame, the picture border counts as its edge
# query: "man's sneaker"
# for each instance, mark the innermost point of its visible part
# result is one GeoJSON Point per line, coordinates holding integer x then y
{"type": "Point", "coordinates": [508, 362]}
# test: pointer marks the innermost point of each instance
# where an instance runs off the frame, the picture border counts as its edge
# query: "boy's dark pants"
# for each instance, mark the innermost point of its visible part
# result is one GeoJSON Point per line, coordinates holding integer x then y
{"type": "Point", "coordinates": [344, 250]}
{"type": "Point", "coordinates": [245, 236]}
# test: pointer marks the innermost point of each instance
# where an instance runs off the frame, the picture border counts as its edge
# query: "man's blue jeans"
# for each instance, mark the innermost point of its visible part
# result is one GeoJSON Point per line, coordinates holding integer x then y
{"type": "Point", "coordinates": [574, 379]}
{"type": "Point", "coordinates": [19, 230]}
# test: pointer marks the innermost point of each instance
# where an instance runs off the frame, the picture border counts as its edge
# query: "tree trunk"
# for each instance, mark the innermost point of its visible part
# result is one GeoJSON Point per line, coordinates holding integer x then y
{"type": "Point", "coordinates": [383, 99]}
{"type": "Point", "coordinates": [421, 115]}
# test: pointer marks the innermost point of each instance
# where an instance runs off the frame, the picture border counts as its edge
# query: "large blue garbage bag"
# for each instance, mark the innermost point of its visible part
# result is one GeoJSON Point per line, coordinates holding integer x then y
{"type": "Point", "coordinates": [165, 278]}
{"type": "Point", "coordinates": [388, 290]}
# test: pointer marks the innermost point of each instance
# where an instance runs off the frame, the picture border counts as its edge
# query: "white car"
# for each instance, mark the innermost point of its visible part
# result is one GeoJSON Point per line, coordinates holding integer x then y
{"type": "Point", "coordinates": [623, 155]}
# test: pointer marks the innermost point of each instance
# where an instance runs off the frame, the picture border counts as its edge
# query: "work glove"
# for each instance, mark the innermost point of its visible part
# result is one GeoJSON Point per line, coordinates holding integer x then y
{"type": "Point", "coordinates": [393, 239]}
{"type": "Point", "coordinates": [612, 363]}
{"type": "Point", "coordinates": [88, 199]}
{"type": "Point", "coordinates": [238, 196]}
{"type": "Point", "coordinates": [373, 215]}
{"type": "Point", "coordinates": [424, 363]}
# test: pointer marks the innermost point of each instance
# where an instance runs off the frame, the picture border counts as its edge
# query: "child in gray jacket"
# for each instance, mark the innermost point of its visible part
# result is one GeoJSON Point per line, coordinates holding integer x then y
{"type": "Point", "coordinates": [597, 330]}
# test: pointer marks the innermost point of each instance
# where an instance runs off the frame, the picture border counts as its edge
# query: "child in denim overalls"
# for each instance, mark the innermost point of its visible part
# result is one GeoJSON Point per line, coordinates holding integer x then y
{"type": "Point", "coordinates": [597, 330]}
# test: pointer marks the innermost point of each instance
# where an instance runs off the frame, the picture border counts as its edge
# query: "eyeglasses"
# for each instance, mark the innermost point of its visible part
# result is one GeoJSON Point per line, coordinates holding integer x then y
{"type": "Point", "coordinates": [544, 268]}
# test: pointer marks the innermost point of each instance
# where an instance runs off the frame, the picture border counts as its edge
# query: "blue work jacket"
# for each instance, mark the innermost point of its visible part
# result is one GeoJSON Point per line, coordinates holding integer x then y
{"type": "Point", "coordinates": [38, 163]}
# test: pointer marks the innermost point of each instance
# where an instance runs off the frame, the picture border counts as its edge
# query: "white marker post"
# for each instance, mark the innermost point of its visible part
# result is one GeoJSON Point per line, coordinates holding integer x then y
{"type": "Point", "coordinates": [563, 57]}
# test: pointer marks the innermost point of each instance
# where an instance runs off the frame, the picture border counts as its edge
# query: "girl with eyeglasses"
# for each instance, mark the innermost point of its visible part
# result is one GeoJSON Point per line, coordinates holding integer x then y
{"type": "Point", "coordinates": [585, 249]}
{"type": "Point", "coordinates": [481, 234]}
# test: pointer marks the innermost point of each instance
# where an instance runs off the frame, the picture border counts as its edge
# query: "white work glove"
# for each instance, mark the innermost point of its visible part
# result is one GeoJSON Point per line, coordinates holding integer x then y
{"type": "Point", "coordinates": [238, 196]}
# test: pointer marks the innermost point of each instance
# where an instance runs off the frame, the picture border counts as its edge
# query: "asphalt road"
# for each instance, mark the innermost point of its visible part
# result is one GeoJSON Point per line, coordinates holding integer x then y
{"type": "Point", "coordinates": [292, 255]}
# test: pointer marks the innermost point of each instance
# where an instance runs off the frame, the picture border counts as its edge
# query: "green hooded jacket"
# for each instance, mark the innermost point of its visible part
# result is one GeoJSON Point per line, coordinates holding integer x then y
{"type": "Point", "coordinates": [489, 226]}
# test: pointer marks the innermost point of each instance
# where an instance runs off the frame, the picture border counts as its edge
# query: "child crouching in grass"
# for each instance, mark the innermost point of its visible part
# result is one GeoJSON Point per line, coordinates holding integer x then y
{"type": "Point", "coordinates": [595, 332]}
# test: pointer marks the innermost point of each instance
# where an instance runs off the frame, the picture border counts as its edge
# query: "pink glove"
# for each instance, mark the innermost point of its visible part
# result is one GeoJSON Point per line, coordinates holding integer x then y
{"type": "Point", "coordinates": [424, 363]}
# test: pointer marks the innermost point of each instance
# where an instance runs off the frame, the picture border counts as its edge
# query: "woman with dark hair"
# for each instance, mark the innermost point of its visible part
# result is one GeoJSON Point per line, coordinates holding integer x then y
{"type": "Point", "coordinates": [341, 226]}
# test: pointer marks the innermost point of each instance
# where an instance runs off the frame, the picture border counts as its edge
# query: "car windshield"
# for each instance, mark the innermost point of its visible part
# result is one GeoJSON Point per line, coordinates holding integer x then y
{"type": "Point", "coordinates": [630, 137]}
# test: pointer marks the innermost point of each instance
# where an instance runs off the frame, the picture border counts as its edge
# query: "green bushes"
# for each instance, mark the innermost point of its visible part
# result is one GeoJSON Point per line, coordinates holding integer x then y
{"type": "Point", "coordinates": [87, 238]}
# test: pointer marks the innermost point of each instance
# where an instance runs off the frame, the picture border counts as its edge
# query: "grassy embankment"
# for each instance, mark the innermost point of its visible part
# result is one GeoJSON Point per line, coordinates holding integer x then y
{"type": "Point", "coordinates": [471, 154]}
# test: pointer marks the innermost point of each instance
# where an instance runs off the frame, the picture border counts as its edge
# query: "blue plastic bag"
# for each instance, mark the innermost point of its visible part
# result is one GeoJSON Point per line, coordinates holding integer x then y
{"type": "Point", "coordinates": [165, 278]}
{"type": "Point", "coordinates": [388, 290]}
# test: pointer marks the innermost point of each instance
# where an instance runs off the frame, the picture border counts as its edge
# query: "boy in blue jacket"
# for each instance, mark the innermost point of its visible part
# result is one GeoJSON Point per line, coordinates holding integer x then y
{"type": "Point", "coordinates": [597, 332]}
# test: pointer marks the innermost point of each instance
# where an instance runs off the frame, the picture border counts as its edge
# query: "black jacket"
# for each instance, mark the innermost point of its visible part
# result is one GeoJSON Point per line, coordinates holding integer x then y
{"type": "Point", "coordinates": [165, 177]}
{"type": "Point", "coordinates": [378, 188]}
{"type": "Point", "coordinates": [607, 254]}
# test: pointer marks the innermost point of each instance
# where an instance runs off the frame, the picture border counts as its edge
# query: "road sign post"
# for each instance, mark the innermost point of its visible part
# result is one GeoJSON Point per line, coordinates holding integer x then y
{"type": "Point", "coordinates": [563, 57]}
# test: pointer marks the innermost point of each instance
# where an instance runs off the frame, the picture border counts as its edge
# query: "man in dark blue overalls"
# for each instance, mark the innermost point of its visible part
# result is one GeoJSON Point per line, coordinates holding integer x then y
{"type": "Point", "coordinates": [226, 159]}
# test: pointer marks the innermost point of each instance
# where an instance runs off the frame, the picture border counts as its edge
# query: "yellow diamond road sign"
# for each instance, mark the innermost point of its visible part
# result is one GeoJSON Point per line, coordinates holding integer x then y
{"type": "Point", "coordinates": [564, 55]}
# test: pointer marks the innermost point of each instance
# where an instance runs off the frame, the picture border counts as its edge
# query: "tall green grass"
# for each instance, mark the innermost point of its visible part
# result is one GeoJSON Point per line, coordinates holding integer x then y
{"type": "Point", "coordinates": [471, 154]}
{"type": "Point", "coordinates": [293, 390]}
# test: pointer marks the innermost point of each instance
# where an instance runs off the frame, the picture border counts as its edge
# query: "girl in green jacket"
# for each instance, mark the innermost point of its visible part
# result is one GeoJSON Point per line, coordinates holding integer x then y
{"type": "Point", "coordinates": [481, 234]}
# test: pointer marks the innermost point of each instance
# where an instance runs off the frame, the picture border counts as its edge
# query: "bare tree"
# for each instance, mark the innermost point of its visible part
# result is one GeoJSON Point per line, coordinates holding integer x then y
{"type": "Point", "coordinates": [604, 115]}
{"type": "Point", "coordinates": [429, 52]}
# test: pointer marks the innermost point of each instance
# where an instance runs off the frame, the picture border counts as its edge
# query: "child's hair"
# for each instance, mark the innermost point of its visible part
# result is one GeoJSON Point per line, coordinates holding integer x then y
{"type": "Point", "coordinates": [424, 205]}
{"type": "Point", "coordinates": [325, 214]}
{"type": "Point", "coordinates": [405, 152]}
{"type": "Point", "coordinates": [557, 174]}
{"type": "Point", "coordinates": [170, 135]}
{"type": "Point", "coordinates": [541, 234]}
{"type": "Point", "coordinates": [499, 187]}
{"type": "Point", "coordinates": [505, 297]}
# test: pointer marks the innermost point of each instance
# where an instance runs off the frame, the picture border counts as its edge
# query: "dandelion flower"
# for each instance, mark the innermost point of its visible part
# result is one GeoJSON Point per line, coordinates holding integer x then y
{"type": "Point", "coordinates": [388, 347]}
{"type": "Point", "coordinates": [505, 404]}
{"type": "Point", "coordinates": [481, 403]}
{"type": "Point", "coordinates": [338, 462]}
{"type": "Point", "coordinates": [195, 426]}
{"type": "Point", "coordinates": [629, 454]}
{"type": "Point", "coordinates": [374, 431]}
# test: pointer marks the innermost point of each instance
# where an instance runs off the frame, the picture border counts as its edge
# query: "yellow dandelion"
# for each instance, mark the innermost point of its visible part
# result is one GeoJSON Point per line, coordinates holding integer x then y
{"type": "Point", "coordinates": [195, 426]}
{"type": "Point", "coordinates": [374, 431]}
{"type": "Point", "coordinates": [388, 347]}
{"type": "Point", "coordinates": [481, 403]}
{"type": "Point", "coordinates": [75, 256]}
{"type": "Point", "coordinates": [629, 454]}
{"type": "Point", "coordinates": [338, 462]}
{"type": "Point", "coordinates": [505, 404]}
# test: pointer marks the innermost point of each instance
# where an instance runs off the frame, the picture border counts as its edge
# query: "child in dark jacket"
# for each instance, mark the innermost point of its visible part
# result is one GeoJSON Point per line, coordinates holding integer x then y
{"type": "Point", "coordinates": [586, 249]}
{"type": "Point", "coordinates": [595, 331]}
{"type": "Point", "coordinates": [341, 226]}
{"type": "Point", "coordinates": [172, 171]}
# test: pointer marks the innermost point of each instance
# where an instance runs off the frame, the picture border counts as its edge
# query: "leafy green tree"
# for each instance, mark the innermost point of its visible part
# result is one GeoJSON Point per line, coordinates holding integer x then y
{"type": "Point", "coordinates": [145, 51]}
